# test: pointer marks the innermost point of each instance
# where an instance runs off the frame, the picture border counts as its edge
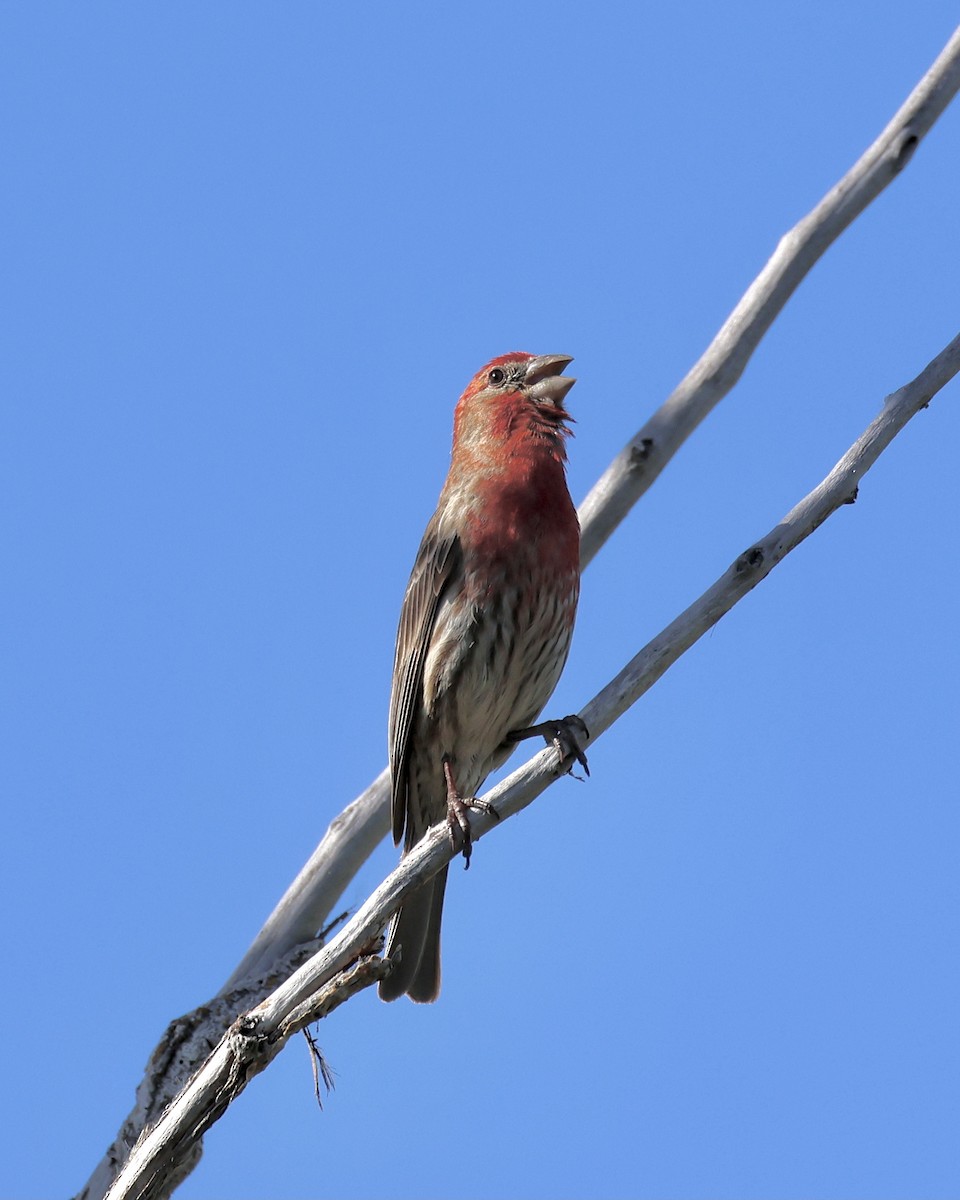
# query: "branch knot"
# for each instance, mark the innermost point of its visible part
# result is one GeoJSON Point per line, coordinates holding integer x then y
{"type": "Point", "coordinates": [639, 452]}
{"type": "Point", "coordinates": [903, 148]}
{"type": "Point", "coordinates": [749, 560]}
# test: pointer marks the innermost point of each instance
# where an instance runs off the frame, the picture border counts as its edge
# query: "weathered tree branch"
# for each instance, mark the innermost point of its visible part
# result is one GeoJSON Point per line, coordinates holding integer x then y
{"type": "Point", "coordinates": [171, 1149]}
{"type": "Point", "coordinates": [644, 457]}
{"type": "Point", "coordinates": [756, 563]}
{"type": "Point", "coordinates": [288, 935]}
{"type": "Point", "coordinates": [345, 965]}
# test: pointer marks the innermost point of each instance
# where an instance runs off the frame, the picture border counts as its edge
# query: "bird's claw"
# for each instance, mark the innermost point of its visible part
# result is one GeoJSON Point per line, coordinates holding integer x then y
{"type": "Point", "coordinates": [564, 734]}
{"type": "Point", "coordinates": [458, 823]}
{"type": "Point", "coordinates": [566, 738]}
{"type": "Point", "coordinates": [458, 809]}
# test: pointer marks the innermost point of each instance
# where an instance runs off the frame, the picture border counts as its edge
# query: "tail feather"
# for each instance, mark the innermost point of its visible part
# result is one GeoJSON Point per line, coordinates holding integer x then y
{"type": "Point", "coordinates": [416, 933]}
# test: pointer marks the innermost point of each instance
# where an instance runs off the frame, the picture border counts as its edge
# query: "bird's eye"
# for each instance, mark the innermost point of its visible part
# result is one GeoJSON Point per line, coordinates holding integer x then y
{"type": "Point", "coordinates": [497, 376]}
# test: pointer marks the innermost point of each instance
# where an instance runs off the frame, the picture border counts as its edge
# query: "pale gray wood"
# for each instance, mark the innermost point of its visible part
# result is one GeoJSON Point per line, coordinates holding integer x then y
{"type": "Point", "coordinates": [256, 1037]}
{"type": "Point", "coordinates": [289, 931]}
{"type": "Point", "coordinates": [711, 378]}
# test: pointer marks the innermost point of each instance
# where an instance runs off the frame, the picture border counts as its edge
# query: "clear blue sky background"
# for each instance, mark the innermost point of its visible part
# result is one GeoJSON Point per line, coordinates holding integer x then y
{"type": "Point", "coordinates": [252, 253]}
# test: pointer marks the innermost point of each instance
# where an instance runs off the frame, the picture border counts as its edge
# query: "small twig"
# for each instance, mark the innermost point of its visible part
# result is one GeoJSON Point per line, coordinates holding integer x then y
{"type": "Point", "coordinates": [333, 924]}
{"type": "Point", "coordinates": [319, 1066]}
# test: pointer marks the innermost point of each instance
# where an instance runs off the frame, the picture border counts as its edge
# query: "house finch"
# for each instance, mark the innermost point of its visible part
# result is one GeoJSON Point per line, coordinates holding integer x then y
{"type": "Point", "coordinates": [484, 629]}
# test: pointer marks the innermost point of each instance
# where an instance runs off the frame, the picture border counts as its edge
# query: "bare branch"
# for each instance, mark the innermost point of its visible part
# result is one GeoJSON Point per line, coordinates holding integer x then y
{"type": "Point", "coordinates": [756, 563]}
{"type": "Point", "coordinates": [166, 1155]}
{"type": "Point", "coordinates": [186, 1043]}
{"type": "Point", "coordinates": [356, 832]}
{"type": "Point", "coordinates": [644, 457]}
{"type": "Point", "coordinates": [344, 965]}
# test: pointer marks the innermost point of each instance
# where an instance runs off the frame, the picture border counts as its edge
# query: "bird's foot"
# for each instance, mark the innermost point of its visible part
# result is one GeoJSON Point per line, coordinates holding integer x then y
{"type": "Point", "coordinates": [458, 811]}
{"type": "Point", "coordinates": [564, 734]}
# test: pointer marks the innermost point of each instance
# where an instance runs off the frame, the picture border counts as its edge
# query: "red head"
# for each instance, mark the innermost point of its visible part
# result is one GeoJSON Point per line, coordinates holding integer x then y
{"type": "Point", "coordinates": [514, 405]}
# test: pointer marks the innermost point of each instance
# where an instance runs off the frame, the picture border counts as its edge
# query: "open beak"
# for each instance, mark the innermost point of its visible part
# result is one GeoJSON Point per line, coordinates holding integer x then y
{"type": "Point", "coordinates": [543, 379]}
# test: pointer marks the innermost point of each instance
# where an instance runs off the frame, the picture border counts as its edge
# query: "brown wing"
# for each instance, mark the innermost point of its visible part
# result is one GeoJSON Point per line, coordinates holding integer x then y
{"type": "Point", "coordinates": [438, 561]}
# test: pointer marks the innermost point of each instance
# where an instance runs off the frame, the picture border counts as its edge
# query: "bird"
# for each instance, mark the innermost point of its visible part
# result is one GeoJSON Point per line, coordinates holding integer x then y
{"type": "Point", "coordinates": [485, 629]}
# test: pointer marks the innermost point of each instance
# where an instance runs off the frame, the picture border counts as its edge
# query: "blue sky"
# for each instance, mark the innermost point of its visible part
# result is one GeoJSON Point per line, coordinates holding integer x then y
{"type": "Point", "coordinates": [252, 254]}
